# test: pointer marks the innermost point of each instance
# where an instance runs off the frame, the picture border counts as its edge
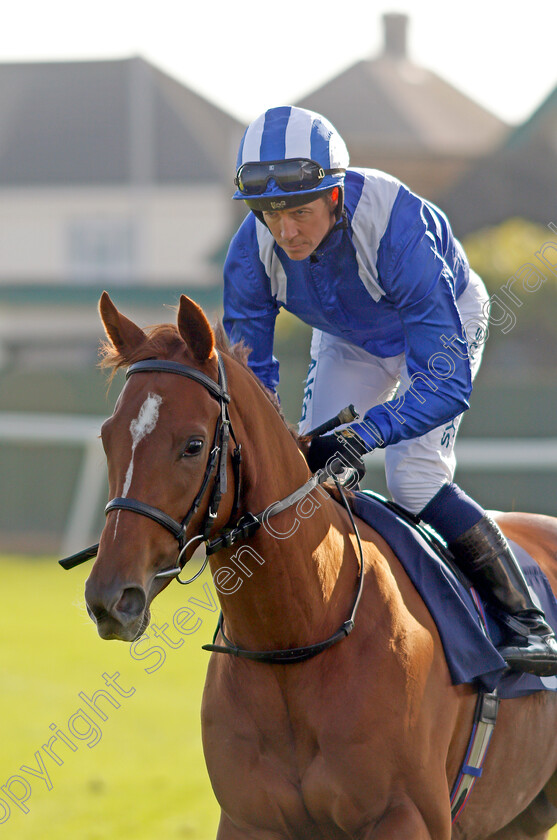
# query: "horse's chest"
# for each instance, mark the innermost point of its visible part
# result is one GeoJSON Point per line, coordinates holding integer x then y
{"type": "Point", "coordinates": [298, 773]}
{"type": "Point", "coordinates": [308, 752]}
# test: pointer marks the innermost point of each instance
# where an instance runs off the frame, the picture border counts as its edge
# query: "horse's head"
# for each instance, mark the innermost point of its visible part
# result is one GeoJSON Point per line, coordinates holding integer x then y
{"type": "Point", "coordinates": [159, 443]}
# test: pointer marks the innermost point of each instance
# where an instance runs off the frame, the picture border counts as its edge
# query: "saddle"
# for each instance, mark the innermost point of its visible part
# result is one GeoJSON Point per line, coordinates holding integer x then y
{"type": "Point", "coordinates": [470, 629]}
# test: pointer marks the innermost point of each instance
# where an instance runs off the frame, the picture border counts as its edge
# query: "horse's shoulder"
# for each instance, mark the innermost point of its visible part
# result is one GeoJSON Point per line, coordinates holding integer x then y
{"type": "Point", "coordinates": [389, 580]}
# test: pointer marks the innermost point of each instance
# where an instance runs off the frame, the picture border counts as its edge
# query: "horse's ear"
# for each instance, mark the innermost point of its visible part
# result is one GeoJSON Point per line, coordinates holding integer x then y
{"type": "Point", "coordinates": [123, 333]}
{"type": "Point", "coordinates": [195, 329]}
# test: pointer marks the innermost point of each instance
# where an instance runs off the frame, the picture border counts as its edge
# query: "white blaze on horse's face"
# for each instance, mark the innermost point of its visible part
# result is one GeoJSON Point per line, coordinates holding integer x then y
{"type": "Point", "coordinates": [142, 426]}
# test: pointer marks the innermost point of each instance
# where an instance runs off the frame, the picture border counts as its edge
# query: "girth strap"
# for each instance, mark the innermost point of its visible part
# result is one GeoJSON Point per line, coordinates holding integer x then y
{"type": "Point", "coordinates": [485, 716]}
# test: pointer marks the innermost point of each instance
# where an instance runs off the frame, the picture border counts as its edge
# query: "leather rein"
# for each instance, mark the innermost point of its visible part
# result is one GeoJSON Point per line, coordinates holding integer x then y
{"type": "Point", "coordinates": [244, 528]}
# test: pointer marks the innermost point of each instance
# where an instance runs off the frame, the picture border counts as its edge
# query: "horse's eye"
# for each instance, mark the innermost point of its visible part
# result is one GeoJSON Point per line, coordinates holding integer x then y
{"type": "Point", "coordinates": [193, 447]}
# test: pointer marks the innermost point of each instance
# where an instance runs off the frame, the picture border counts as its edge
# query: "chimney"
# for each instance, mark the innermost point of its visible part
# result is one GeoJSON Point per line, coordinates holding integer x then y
{"type": "Point", "coordinates": [394, 27]}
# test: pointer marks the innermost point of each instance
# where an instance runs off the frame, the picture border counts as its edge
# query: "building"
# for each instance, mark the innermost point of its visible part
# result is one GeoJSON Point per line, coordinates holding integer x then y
{"type": "Point", "coordinates": [404, 119]}
{"type": "Point", "coordinates": [518, 179]}
{"type": "Point", "coordinates": [110, 171]}
{"type": "Point", "coordinates": [112, 175]}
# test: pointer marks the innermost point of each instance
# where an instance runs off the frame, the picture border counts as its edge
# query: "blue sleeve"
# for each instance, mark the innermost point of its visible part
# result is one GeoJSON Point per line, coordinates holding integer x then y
{"type": "Point", "coordinates": [250, 310]}
{"type": "Point", "coordinates": [420, 281]}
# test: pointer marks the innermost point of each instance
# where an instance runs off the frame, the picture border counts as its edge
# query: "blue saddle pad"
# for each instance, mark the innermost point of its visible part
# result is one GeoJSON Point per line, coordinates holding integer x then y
{"type": "Point", "coordinates": [471, 655]}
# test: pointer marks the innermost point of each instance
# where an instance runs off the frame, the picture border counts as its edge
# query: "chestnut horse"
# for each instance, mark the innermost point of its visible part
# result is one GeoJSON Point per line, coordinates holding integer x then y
{"type": "Point", "coordinates": [365, 739]}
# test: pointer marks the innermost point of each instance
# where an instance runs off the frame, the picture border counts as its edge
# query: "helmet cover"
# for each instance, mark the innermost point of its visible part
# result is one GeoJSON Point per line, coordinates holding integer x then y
{"type": "Point", "coordinates": [286, 133]}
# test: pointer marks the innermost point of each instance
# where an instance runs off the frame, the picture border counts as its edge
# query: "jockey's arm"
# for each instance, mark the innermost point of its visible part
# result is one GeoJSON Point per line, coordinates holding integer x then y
{"type": "Point", "coordinates": [250, 310]}
{"type": "Point", "coordinates": [421, 285]}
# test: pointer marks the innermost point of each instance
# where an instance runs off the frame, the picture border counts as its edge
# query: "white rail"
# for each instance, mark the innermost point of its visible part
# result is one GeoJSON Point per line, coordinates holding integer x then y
{"type": "Point", "coordinates": [67, 430]}
{"type": "Point", "coordinates": [501, 455]}
{"type": "Point", "coordinates": [498, 454]}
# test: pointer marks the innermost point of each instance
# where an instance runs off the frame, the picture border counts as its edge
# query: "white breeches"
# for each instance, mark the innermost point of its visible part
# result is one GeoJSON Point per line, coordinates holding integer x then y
{"type": "Point", "coordinates": [341, 373]}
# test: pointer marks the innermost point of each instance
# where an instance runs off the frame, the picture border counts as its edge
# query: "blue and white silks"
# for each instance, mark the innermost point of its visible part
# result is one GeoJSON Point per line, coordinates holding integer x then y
{"type": "Point", "coordinates": [387, 281]}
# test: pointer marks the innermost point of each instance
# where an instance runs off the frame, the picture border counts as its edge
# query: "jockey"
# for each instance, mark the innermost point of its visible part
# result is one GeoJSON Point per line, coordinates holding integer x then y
{"type": "Point", "coordinates": [399, 322]}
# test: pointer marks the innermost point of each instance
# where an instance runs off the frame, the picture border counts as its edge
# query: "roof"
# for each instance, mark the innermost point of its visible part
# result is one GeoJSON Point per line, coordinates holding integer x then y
{"type": "Point", "coordinates": [517, 179]}
{"type": "Point", "coordinates": [108, 122]}
{"type": "Point", "coordinates": [390, 103]}
{"type": "Point", "coordinates": [397, 105]}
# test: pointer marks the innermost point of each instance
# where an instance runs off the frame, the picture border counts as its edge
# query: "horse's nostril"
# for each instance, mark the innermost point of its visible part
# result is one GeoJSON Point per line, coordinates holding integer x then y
{"type": "Point", "coordinates": [132, 602]}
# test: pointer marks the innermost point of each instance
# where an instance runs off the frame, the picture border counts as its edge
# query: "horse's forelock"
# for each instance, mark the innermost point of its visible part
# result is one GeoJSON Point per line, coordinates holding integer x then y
{"type": "Point", "coordinates": [163, 341]}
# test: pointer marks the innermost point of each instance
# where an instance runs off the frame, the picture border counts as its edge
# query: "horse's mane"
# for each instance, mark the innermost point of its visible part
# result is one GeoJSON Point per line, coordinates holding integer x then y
{"type": "Point", "coordinates": [240, 353]}
{"type": "Point", "coordinates": [164, 341]}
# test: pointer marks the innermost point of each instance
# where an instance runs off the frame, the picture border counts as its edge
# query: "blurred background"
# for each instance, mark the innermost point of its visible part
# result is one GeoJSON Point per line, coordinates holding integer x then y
{"type": "Point", "coordinates": [118, 136]}
{"type": "Point", "coordinates": [115, 174]}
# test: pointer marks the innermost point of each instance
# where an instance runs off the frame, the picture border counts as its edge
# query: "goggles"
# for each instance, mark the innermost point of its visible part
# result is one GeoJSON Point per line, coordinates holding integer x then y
{"type": "Point", "coordinates": [290, 175]}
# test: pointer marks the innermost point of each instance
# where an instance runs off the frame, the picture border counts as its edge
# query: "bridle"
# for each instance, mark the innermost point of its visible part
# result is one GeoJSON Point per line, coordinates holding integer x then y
{"type": "Point", "coordinates": [244, 528]}
{"type": "Point", "coordinates": [486, 706]}
{"type": "Point", "coordinates": [216, 464]}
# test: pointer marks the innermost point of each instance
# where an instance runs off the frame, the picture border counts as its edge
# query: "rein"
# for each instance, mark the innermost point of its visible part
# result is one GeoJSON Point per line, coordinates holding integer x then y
{"type": "Point", "coordinates": [291, 656]}
{"type": "Point", "coordinates": [244, 528]}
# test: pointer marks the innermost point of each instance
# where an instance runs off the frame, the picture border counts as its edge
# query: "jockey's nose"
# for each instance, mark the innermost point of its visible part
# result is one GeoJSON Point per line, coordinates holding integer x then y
{"type": "Point", "coordinates": [288, 228]}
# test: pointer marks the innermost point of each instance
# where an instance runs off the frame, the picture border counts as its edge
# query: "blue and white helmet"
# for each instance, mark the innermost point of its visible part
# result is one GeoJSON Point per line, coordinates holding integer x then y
{"type": "Point", "coordinates": [289, 156]}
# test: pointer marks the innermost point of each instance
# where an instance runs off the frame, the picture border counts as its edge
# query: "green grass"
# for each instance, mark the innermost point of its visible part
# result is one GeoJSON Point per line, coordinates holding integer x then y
{"type": "Point", "coordinates": [145, 778]}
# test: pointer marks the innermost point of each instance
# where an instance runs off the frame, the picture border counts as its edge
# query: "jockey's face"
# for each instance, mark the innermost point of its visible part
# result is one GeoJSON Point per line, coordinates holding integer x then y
{"type": "Point", "coordinates": [299, 230]}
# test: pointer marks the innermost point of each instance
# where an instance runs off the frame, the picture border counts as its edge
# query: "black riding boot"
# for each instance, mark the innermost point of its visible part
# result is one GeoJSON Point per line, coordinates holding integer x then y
{"type": "Point", "coordinates": [484, 555]}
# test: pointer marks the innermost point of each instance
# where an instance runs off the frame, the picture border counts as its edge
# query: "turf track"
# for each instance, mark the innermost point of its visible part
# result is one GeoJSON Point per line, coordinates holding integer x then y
{"type": "Point", "coordinates": [143, 775]}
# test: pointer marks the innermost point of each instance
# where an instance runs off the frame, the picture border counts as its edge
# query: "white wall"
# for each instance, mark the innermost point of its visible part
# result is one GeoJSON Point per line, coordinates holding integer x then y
{"type": "Point", "coordinates": [168, 233]}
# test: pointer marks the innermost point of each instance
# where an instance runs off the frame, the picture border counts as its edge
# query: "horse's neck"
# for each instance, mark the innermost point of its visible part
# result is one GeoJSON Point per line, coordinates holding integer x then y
{"type": "Point", "coordinates": [287, 585]}
{"type": "Point", "coordinates": [282, 590]}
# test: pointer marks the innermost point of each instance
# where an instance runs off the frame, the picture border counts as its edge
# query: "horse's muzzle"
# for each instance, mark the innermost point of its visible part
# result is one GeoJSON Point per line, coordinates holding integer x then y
{"type": "Point", "coordinates": [122, 614]}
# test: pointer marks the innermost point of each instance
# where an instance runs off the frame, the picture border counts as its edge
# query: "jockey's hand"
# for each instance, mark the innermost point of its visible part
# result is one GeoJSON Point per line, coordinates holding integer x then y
{"type": "Point", "coordinates": [347, 446]}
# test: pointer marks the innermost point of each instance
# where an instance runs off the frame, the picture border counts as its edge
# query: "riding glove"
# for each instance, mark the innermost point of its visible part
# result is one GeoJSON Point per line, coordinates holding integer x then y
{"type": "Point", "coordinates": [347, 445]}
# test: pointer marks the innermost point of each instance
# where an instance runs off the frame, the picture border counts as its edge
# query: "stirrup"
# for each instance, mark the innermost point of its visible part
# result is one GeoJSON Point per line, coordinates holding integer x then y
{"type": "Point", "coordinates": [538, 656]}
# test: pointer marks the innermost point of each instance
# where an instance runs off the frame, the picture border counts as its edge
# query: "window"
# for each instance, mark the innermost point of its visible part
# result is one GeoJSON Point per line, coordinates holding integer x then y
{"type": "Point", "coordinates": [101, 249]}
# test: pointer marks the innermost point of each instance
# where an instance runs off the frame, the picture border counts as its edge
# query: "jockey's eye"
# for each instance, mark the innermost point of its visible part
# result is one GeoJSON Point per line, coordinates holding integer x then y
{"type": "Point", "coordinates": [193, 447]}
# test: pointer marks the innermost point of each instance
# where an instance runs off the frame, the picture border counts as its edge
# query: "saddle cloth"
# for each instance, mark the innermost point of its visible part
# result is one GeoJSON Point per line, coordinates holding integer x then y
{"type": "Point", "coordinates": [471, 654]}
